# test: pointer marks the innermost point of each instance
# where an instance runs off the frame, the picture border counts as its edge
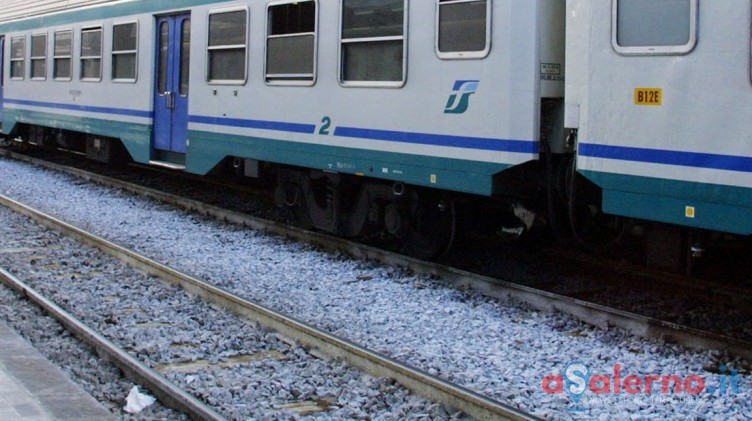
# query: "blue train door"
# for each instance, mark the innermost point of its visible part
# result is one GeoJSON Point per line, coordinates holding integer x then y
{"type": "Point", "coordinates": [172, 87]}
{"type": "Point", "coordinates": [2, 78]}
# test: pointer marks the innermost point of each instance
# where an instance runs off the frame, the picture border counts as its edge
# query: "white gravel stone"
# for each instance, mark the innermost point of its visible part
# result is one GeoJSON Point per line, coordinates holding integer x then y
{"type": "Point", "coordinates": [502, 350]}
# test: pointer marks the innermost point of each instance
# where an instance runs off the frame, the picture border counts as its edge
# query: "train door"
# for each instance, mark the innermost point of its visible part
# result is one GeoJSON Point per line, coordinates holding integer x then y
{"type": "Point", "coordinates": [2, 78]}
{"type": "Point", "coordinates": [172, 87]}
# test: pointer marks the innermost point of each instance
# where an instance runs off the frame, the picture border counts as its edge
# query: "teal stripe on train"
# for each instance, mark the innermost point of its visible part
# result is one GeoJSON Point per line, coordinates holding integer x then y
{"type": "Point", "coordinates": [102, 12]}
{"type": "Point", "coordinates": [208, 148]}
{"type": "Point", "coordinates": [715, 207]}
{"type": "Point", "coordinates": [136, 137]}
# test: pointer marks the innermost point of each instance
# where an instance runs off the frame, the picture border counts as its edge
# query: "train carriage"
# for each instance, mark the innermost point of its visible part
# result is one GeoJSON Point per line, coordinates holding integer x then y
{"type": "Point", "coordinates": [374, 116]}
{"type": "Point", "coordinates": [660, 93]}
{"type": "Point", "coordinates": [349, 101]}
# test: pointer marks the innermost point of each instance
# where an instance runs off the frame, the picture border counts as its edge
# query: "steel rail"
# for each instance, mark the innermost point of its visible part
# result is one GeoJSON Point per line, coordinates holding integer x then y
{"type": "Point", "coordinates": [418, 381]}
{"type": "Point", "coordinates": [168, 393]}
{"type": "Point", "coordinates": [588, 312]}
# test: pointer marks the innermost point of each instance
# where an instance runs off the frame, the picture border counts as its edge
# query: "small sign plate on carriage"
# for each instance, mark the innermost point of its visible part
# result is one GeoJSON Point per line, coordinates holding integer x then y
{"type": "Point", "coordinates": [648, 96]}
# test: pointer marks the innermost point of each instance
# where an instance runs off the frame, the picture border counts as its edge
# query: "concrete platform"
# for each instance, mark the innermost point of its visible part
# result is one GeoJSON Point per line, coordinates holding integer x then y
{"type": "Point", "coordinates": [32, 389]}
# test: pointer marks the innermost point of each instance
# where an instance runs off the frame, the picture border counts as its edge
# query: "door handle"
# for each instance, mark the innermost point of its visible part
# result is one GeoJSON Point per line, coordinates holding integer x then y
{"type": "Point", "coordinates": [170, 100]}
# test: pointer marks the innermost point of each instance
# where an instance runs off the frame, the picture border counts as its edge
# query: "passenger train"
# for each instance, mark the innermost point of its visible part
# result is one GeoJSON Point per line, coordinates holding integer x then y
{"type": "Point", "coordinates": [381, 116]}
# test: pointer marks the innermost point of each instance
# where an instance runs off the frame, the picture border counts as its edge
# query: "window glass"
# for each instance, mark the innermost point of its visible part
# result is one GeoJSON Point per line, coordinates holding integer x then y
{"type": "Point", "coordinates": [367, 18]}
{"type": "Point", "coordinates": [290, 46]}
{"type": "Point", "coordinates": [463, 26]}
{"type": "Point", "coordinates": [373, 41]}
{"type": "Point", "coordinates": [227, 46]}
{"type": "Point", "coordinates": [185, 57]}
{"type": "Point", "coordinates": [17, 57]}
{"type": "Point", "coordinates": [655, 25]}
{"type": "Point", "coordinates": [373, 61]}
{"type": "Point", "coordinates": [91, 54]}
{"type": "Point", "coordinates": [124, 51]}
{"type": "Point", "coordinates": [164, 51]}
{"type": "Point", "coordinates": [39, 56]}
{"type": "Point", "coordinates": [62, 55]}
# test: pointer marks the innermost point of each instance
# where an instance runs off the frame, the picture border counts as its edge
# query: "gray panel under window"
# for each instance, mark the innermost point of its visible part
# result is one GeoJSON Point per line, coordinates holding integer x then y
{"type": "Point", "coordinates": [38, 69]}
{"type": "Point", "coordinates": [91, 68]}
{"type": "Point", "coordinates": [462, 26]}
{"type": "Point", "coordinates": [227, 64]}
{"type": "Point", "coordinates": [373, 61]}
{"type": "Point", "coordinates": [124, 66]}
{"type": "Point", "coordinates": [646, 23]}
{"type": "Point", "coordinates": [290, 56]}
{"type": "Point", "coordinates": [372, 18]}
{"type": "Point", "coordinates": [62, 68]}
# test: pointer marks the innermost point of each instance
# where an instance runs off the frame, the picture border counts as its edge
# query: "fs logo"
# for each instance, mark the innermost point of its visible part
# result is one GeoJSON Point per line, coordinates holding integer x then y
{"type": "Point", "coordinates": [459, 101]}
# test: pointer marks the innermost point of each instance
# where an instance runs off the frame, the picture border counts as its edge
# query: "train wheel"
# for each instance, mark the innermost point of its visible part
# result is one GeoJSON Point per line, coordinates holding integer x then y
{"type": "Point", "coordinates": [289, 195]}
{"type": "Point", "coordinates": [425, 229]}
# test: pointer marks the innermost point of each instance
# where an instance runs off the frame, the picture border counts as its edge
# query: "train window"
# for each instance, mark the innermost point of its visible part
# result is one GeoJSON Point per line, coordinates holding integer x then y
{"type": "Point", "coordinates": [185, 57]}
{"type": "Point", "coordinates": [91, 54]}
{"type": "Point", "coordinates": [291, 43]}
{"type": "Point", "coordinates": [227, 46]}
{"type": "Point", "coordinates": [39, 57]}
{"type": "Point", "coordinates": [164, 56]}
{"type": "Point", "coordinates": [62, 56]}
{"type": "Point", "coordinates": [17, 57]}
{"type": "Point", "coordinates": [124, 51]}
{"type": "Point", "coordinates": [654, 26]}
{"type": "Point", "coordinates": [463, 28]}
{"type": "Point", "coordinates": [373, 49]}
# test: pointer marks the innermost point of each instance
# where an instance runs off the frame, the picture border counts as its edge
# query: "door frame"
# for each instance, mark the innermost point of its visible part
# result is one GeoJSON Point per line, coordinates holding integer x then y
{"type": "Point", "coordinates": [171, 95]}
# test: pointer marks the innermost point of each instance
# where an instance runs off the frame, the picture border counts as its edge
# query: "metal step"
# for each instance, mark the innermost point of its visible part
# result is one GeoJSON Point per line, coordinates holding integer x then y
{"type": "Point", "coordinates": [168, 165]}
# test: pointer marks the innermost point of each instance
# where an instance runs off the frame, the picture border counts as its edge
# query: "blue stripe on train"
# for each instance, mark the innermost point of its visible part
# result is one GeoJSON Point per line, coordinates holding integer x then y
{"type": "Point", "coordinates": [677, 158]}
{"type": "Point", "coordinates": [480, 143]}
{"type": "Point", "coordinates": [465, 142]}
{"type": "Point", "coordinates": [84, 108]}
{"type": "Point", "coordinates": [254, 124]}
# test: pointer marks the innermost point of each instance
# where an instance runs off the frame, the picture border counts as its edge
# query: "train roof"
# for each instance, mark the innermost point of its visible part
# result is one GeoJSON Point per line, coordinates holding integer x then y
{"type": "Point", "coordinates": [20, 9]}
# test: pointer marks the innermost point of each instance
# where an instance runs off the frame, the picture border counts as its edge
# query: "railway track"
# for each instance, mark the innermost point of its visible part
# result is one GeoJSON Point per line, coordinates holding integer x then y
{"type": "Point", "coordinates": [418, 381]}
{"type": "Point", "coordinates": [165, 390]}
{"type": "Point", "coordinates": [597, 315]}
{"type": "Point", "coordinates": [582, 309]}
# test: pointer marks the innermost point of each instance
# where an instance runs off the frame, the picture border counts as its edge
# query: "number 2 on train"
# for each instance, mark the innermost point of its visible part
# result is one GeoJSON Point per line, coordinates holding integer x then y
{"type": "Point", "coordinates": [326, 125]}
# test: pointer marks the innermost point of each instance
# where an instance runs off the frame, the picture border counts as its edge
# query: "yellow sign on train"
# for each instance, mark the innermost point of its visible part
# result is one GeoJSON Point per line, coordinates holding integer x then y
{"type": "Point", "coordinates": [648, 96]}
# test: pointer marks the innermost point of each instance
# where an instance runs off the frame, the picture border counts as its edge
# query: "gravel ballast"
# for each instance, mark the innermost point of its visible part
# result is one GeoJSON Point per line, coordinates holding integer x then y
{"type": "Point", "coordinates": [502, 350]}
{"type": "Point", "coordinates": [242, 371]}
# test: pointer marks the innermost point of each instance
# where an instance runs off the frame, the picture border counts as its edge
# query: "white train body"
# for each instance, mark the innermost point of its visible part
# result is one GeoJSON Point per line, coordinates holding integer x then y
{"type": "Point", "coordinates": [661, 95]}
{"type": "Point", "coordinates": [400, 130]}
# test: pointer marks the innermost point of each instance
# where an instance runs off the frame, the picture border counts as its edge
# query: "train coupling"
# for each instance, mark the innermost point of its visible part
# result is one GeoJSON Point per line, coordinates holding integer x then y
{"type": "Point", "coordinates": [522, 221]}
